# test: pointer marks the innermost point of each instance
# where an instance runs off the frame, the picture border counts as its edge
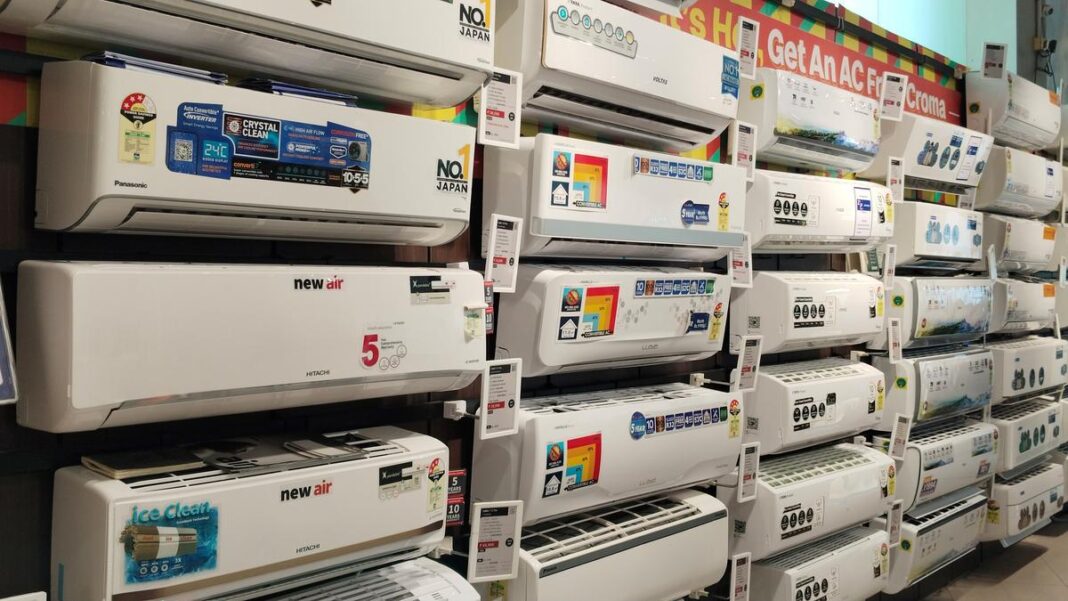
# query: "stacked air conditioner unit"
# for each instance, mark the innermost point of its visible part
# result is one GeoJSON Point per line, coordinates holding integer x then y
{"type": "Point", "coordinates": [440, 54]}
{"type": "Point", "coordinates": [112, 344]}
{"type": "Point", "coordinates": [417, 579]}
{"type": "Point", "coordinates": [1025, 503]}
{"type": "Point", "coordinates": [1020, 245]}
{"type": "Point", "coordinates": [805, 123]}
{"type": "Point", "coordinates": [1059, 457]}
{"type": "Point", "coordinates": [1027, 431]}
{"type": "Point", "coordinates": [945, 458]}
{"type": "Point", "coordinates": [1028, 367]}
{"type": "Point", "coordinates": [1019, 183]}
{"type": "Point", "coordinates": [790, 212]}
{"type": "Point", "coordinates": [937, 237]}
{"type": "Point", "coordinates": [939, 311]}
{"type": "Point", "coordinates": [796, 405]}
{"type": "Point", "coordinates": [853, 564]}
{"type": "Point", "coordinates": [572, 318]}
{"type": "Point", "coordinates": [586, 199]}
{"type": "Point", "coordinates": [933, 384]}
{"type": "Point", "coordinates": [1016, 111]}
{"type": "Point", "coordinates": [806, 310]}
{"type": "Point", "coordinates": [1023, 306]}
{"type": "Point", "coordinates": [593, 67]}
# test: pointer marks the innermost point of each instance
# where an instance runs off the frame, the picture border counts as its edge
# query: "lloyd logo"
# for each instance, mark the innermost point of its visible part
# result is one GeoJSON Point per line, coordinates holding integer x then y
{"type": "Point", "coordinates": [475, 20]}
{"type": "Point", "coordinates": [305, 492]}
{"type": "Point", "coordinates": [334, 283]}
{"type": "Point", "coordinates": [454, 175]}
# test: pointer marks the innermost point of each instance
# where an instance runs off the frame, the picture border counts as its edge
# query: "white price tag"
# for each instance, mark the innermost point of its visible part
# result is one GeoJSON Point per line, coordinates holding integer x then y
{"type": "Point", "coordinates": [742, 264]}
{"type": "Point", "coordinates": [899, 439]}
{"type": "Point", "coordinates": [496, 529]}
{"type": "Point", "coordinates": [748, 42]}
{"type": "Point", "coordinates": [994, 60]}
{"type": "Point", "coordinates": [748, 364]}
{"type": "Point", "coordinates": [991, 262]}
{"type": "Point", "coordinates": [889, 266]}
{"type": "Point", "coordinates": [892, 98]}
{"type": "Point", "coordinates": [748, 472]}
{"type": "Point", "coordinates": [966, 201]}
{"type": "Point", "coordinates": [502, 255]}
{"type": "Point", "coordinates": [500, 109]}
{"type": "Point", "coordinates": [895, 179]}
{"type": "Point", "coordinates": [893, 338]}
{"type": "Point", "coordinates": [743, 147]}
{"type": "Point", "coordinates": [893, 521]}
{"type": "Point", "coordinates": [501, 384]}
{"type": "Point", "coordinates": [740, 568]}
{"type": "Point", "coordinates": [1062, 275]}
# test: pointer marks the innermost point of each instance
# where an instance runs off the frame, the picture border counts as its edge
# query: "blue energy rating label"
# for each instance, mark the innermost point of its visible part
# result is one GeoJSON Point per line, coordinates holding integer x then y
{"type": "Point", "coordinates": [698, 172]}
{"type": "Point", "coordinates": [674, 287]}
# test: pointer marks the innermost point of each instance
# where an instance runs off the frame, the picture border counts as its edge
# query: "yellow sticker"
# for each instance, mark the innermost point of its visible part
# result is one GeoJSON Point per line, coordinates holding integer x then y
{"type": "Point", "coordinates": [891, 480]}
{"type": "Point", "coordinates": [714, 330]}
{"type": "Point", "coordinates": [889, 209]}
{"type": "Point", "coordinates": [993, 512]}
{"type": "Point", "coordinates": [723, 223]}
{"type": "Point", "coordinates": [1048, 291]}
{"type": "Point", "coordinates": [137, 129]}
{"type": "Point", "coordinates": [879, 303]}
{"type": "Point", "coordinates": [498, 590]}
{"type": "Point", "coordinates": [734, 423]}
{"type": "Point", "coordinates": [880, 395]}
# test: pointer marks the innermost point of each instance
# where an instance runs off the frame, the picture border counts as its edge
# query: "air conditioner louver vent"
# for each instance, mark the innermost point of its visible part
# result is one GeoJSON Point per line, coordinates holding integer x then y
{"type": "Point", "coordinates": [1038, 470]}
{"type": "Point", "coordinates": [607, 398]}
{"type": "Point", "coordinates": [940, 432]}
{"type": "Point", "coordinates": [1018, 410]}
{"type": "Point", "coordinates": [942, 512]}
{"type": "Point", "coordinates": [791, 469]}
{"type": "Point", "coordinates": [815, 550]}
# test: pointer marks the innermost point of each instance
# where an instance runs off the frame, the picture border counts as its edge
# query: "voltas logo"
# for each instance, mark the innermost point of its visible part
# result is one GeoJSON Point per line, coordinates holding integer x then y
{"type": "Point", "coordinates": [475, 20]}
{"type": "Point", "coordinates": [304, 492]}
{"type": "Point", "coordinates": [454, 175]}
{"type": "Point", "coordinates": [334, 283]}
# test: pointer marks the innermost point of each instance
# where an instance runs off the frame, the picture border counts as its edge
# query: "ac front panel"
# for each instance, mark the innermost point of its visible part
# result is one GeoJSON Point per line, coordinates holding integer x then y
{"type": "Point", "coordinates": [1028, 367]}
{"type": "Point", "coordinates": [790, 213]}
{"type": "Point", "coordinates": [1020, 245]}
{"type": "Point", "coordinates": [110, 344]}
{"type": "Point", "coordinates": [797, 405]}
{"type": "Point", "coordinates": [668, 7]}
{"type": "Point", "coordinates": [939, 237]}
{"type": "Point", "coordinates": [804, 496]}
{"type": "Point", "coordinates": [586, 199]}
{"type": "Point", "coordinates": [420, 579]}
{"type": "Point", "coordinates": [1019, 183]}
{"type": "Point", "coordinates": [1024, 503]}
{"type": "Point", "coordinates": [801, 122]}
{"type": "Point", "coordinates": [1017, 111]}
{"type": "Point", "coordinates": [216, 160]}
{"type": "Point", "coordinates": [808, 310]}
{"type": "Point", "coordinates": [575, 318]}
{"type": "Point", "coordinates": [441, 55]}
{"type": "Point", "coordinates": [1026, 431]}
{"type": "Point", "coordinates": [1023, 306]}
{"type": "Point", "coordinates": [945, 458]}
{"type": "Point", "coordinates": [579, 451]}
{"type": "Point", "coordinates": [938, 156]}
{"type": "Point", "coordinates": [852, 564]}
{"type": "Point", "coordinates": [934, 384]}
{"type": "Point", "coordinates": [600, 69]}
{"type": "Point", "coordinates": [199, 534]}
{"type": "Point", "coordinates": [938, 311]}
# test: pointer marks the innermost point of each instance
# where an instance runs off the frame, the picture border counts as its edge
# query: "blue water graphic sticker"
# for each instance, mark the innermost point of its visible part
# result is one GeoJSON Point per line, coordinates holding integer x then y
{"type": "Point", "coordinates": [163, 542]}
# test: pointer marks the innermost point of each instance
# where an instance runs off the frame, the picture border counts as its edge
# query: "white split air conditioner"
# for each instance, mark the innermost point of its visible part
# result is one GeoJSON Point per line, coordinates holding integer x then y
{"type": "Point", "coordinates": [586, 199]}
{"type": "Point", "coordinates": [932, 384]}
{"type": "Point", "coordinates": [937, 237]}
{"type": "Point", "coordinates": [199, 533]}
{"type": "Point", "coordinates": [413, 580]}
{"type": "Point", "coordinates": [213, 160]}
{"type": "Point", "coordinates": [806, 310]}
{"type": "Point", "coordinates": [573, 318]}
{"type": "Point", "coordinates": [1026, 430]}
{"type": "Point", "coordinates": [1059, 456]}
{"type": "Point", "coordinates": [28, 597]}
{"type": "Point", "coordinates": [945, 458]}
{"type": "Point", "coordinates": [1020, 245]}
{"type": "Point", "coordinates": [938, 311]}
{"type": "Point", "coordinates": [593, 67]}
{"type": "Point", "coordinates": [1024, 504]}
{"type": "Point", "coordinates": [658, 548]}
{"type": "Point", "coordinates": [1016, 111]}
{"type": "Point", "coordinates": [441, 55]}
{"type": "Point", "coordinates": [668, 7]}
{"type": "Point", "coordinates": [853, 564]}
{"type": "Point", "coordinates": [579, 451]}
{"type": "Point", "coordinates": [1054, 147]}
{"type": "Point", "coordinates": [790, 212]}
{"type": "Point", "coordinates": [1023, 306]}
{"type": "Point", "coordinates": [934, 535]}
{"type": "Point", "coordinates": [937, 155]}
{"type": "Point", "coordinates": [1019, 183]}
{"type": "Point", "coordinates": [805, 123]}
{"type": "Point", "coordinates": [796, 405]}
{"type": "Point", "coordinates": [807, 495]}
{"type": "Point", "coordinates": [114, 344]}
{"type": "Point", "coordinates": [1028, 367]}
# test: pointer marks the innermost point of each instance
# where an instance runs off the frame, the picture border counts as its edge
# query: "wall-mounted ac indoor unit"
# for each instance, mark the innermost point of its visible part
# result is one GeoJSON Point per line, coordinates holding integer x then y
{"type": "Point", "coordinates": [934, 535]}
{"type": "Point", "coordinates": [1028, 367]}
{"type": "Point", "coordinates": [1023, 306]}
{"type": "Point", "coordinates": [441, 54]}
{"type": "Point", "coordinates": [574, 318]}
{"type": "Point", "coordinates": [801, 404]}
{"type": "Point", "coordinates": [1026, 430]}
{"type": "Point", "coordinates": [579, 451]}
{"type": "Point", "coordinates": [1019, 183]}
{"type": "Point", "coordinates": [938, 311]}
{"type": "Point", "coordinates": [194, 158]}
{"type": "Point", "coordinates": [1059, 456]}
{"type": "Point", "coordinates": [586, 199]}
{"type": "Point", "coordinates": [937, 155]}
{"type": "Point", "coordinates": [1016, 111]}
{"type": "Point", "coordinates": [806, 310]}
{"type": "Point", "coordinates": [1020, 245]}
{"type": "Point", "coordinates": [945, 458]}
{"type": "Point", "coordinates": [937, 237]}
{"type": "Point", "coordinates": [114, 344]}
{"type": "Point", "coordinates": [853, 564]}
{"type": "Point", "coordinates": [1024, 503]}
{"type": "Point", "coordinates": [198, 533]}
{"type": "Point", "coordinates": [595, 68]}
{"type": "Point", "coordinates": [415, 580]}
{"type": "Point", "coordinates": [807, 495]}
{"type": "Point", "coordinates": [806, 123]}
{"type": "Point", "coordinates": [658, 548]}
{"type": "Point", "coordinates": [790, 212]}
{"type": "Point", "coordinates": [932, 384]}
{"type": "Point", "coordinates": [1054, 147]}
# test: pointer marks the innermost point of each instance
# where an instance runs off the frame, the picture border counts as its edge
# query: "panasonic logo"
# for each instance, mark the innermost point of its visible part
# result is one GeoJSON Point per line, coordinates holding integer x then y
{"type": "Point", "coordinates": [123, 184]}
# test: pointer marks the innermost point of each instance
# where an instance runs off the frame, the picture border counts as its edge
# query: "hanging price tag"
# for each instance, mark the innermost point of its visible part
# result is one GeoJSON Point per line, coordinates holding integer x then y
{"type": "Point", "coordinates": [748, 41]}
{"type": "Point", "coordinates": [499, 413]}
{"type": "Point", "coordinates": [502, 254]}
{"type": "Point", "coordinates": [743, 147]}
{"type": "Point", "coordinates": [496, 529]}
{"type": "Point", "coordinates": [742, 264]}
{"type": "Point", "coordinates": [1062, 275]}
{"type": "Point", "coordinates": [893, 338]}
{"type": "Point", "coordinates": [500, 109]}
{"type": "Point", "coordinates": [889, 266]}
{"type": "Point", "coordinates": [893, 522]}
{"type": "Point", "coordinates": [994, 60]}
{"type": "Point", "coordinates": [748, 364]}
{"type": "Point", "coordinates": [741, 565]}
{"type": "Point", "coordinates": [895, 179]}
{"type": "Point", "coordinates": [748, 472]}
{"type": "Point", "coordinates": [991, 262]}
{"type": "Point", "coordinates": [899, 439]}
{"type": "Point", "coordinates": [892, 98]}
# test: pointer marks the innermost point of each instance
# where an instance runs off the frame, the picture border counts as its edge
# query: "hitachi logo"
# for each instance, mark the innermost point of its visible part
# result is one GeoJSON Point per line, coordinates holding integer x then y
{"type": "Point", "coordinates": [318, 373]}
{"type": "Point", "coordinates": [122, 184]}
{"type": "Point", "coordinates": [304, 492]}
{"type": "Point", "coordinates": [334, 283]}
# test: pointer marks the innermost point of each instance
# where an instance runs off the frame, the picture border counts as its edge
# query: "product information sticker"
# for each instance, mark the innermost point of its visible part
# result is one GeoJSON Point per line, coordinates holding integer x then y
{"type": "Point", "coordinates": [496, 529]}
{"type": "Point", "coordinates": [169, 540]}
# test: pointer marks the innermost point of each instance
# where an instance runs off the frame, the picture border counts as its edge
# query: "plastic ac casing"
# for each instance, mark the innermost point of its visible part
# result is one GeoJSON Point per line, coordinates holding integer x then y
{"type": "Point", "coordinates": [1026, 431]}
{"type": "Point", "coordinates": [1019, 183]}
{"type": "Point", "coordinates": [1021, 113]}
{"type": "Point", "coordinates": [633, 461]}
{"type": "Point", "coordinates": [1059, 456]}
{"type": "Point", "coordinates": [645, 216]}
{"type": "Point", "coordinates": [668, 7]}
{"type": "Point", "coordinates": [113, 344]}
{"type": "Point", "coordinates": [945, 459]}
{"type": "Point", "coordinates": [1023, 306]}
{"type": "Point", "coordinates": [651, 100]}
{"type": "Point", "coordinates": [939, 311]}
{"type": "Point", "coordinates": [1024, 503]}
{"type": "Point", "coordinates": [1020, 245]}
{"type": "Point", "coordinates": [853, 564]}
{"type": "Point", "coordinates": [937, 237]}
{"type": "Point", "coordinates": [790, 212]}
{"type": "Point", "coordinates": [420, 578]}
{"type": "Point", "coordinates": [650, 329]}
{"type": "Point", "coordinates": [934, 384]}
{"type": "Point", "coordinates": [1028, 367]}
{"type": "Point", "coordinates": [853, 313]}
